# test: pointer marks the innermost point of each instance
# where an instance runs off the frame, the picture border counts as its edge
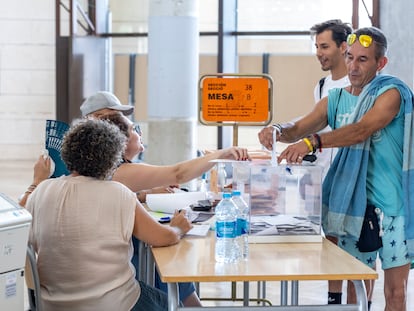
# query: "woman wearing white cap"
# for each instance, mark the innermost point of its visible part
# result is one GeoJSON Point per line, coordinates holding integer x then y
{"type": "Point", "coordinates": [103, 102]}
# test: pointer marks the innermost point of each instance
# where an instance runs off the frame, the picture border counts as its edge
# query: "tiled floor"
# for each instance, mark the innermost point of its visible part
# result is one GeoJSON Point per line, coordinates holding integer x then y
{"type": "Point", "coordinates": [16, 176]}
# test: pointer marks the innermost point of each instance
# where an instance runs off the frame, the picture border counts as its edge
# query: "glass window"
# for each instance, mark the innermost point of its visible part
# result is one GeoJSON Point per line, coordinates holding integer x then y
{"type": "Point", "coordinates": [293, 45]}
{"type": "Point", "coordinates": [129, 16]}
{"type": "Point", "coordinates": [208, 15]}
{"type": "Point", "coordinates": [284, 15]}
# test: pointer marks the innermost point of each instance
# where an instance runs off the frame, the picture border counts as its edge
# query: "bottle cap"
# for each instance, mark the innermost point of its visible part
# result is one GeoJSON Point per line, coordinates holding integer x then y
{"type": "Point", "coordinates": [236, 192]}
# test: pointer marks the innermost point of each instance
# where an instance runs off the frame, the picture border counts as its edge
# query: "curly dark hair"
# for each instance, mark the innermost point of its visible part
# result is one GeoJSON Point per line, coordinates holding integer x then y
{"type": "Point", "coordinates": [119, 120]}
{"type": "Point", "coordinates": [93, 148]}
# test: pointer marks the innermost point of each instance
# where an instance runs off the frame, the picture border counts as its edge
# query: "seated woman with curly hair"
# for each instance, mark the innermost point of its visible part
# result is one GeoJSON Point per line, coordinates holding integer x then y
{"type": "Point", "coordinates": [83, 225]}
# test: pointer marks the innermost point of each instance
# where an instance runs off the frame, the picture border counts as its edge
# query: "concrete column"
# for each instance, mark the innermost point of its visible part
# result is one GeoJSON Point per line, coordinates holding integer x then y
{"type": "Point", "coordinates": [396, 20]}
{"type": "Point", "coordinates": [172, 80]}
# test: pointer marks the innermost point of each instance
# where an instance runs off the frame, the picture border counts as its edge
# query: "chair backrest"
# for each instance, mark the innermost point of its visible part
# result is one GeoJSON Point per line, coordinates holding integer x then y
{"type": "Point", "coordinates": [32, 280]}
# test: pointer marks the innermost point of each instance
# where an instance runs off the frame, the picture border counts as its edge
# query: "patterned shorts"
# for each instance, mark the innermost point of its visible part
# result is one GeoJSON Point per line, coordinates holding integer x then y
{"type": "Point", "coordinates": [393, 253]}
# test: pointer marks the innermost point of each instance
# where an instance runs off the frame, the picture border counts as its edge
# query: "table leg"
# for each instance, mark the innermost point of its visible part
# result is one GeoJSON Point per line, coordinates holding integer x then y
{"type": "Point", "coordinates": [150, 273]}
{"type": "Point", "coordinates": [246, 294]}
{"type": "Point", "coordinates": [263, 283]}
{"type": "Point", "coordinates": [142, 255]}
{"type": "Point", "coordinates": [197, 288]}
{"type": "Point", "coordinates": [361, 294]}
{"type": "Point", "coordinates": [233, 291]}
{"type": "Point", "coordinates": [294, 295]}
{"type": "Point", "coordinates": [261, 292]}
{"type": "Point", "coordinates": [283, 293]}
{"type": "Point", "coordinates": [173, 299]}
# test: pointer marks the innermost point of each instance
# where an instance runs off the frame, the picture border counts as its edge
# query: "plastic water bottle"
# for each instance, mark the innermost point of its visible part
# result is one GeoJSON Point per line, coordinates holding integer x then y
{"type": "Point", "coordinates": [227, 249]}
{"type": "Point", "coordinates": [242, 223]}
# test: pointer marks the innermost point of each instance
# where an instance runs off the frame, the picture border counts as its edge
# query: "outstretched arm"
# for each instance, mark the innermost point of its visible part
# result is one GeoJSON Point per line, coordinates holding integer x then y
{"type": "Point", "coordinates": [139, 176]}
{"type": "Point", "coordinates": [384, 110]}
{"type": "Point", "coordinates": [313, 122]}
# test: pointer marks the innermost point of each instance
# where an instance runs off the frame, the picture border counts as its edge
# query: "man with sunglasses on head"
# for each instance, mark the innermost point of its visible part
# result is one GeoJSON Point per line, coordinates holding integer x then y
{"type": "Point", "coordinates": [372, 125]}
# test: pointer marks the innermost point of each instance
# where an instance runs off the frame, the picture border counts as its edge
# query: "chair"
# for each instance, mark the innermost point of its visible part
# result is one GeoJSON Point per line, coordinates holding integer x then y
{"type": "Point", "coordinates": [33, 290]}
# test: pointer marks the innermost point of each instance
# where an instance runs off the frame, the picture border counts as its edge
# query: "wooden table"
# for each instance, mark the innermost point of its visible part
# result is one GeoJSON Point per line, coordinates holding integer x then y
{"type": "Point", "coordinates": [192, 260]}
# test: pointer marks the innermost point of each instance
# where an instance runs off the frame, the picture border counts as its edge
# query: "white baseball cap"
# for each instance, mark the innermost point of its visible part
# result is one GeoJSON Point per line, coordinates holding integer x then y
{"type": "Point", "coordinates": [102, 100]}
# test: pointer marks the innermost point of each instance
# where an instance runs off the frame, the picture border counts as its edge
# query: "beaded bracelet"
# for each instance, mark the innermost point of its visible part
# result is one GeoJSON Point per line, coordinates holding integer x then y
{"type": "Point", "coordinates": [31, 188]}
{"type": "Point", "coordinates": [278, 127]}
{"type": "Point", "coordinates": [318, 141]}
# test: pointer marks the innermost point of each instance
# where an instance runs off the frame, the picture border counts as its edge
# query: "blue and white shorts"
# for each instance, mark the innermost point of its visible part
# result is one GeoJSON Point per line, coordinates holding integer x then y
{"type": "Point", "coordinates": [394, 251]}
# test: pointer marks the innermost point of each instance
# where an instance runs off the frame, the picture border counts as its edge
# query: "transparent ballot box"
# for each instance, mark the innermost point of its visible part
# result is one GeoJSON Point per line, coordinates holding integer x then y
{"type": "Point", "coordinates": [285, 203]}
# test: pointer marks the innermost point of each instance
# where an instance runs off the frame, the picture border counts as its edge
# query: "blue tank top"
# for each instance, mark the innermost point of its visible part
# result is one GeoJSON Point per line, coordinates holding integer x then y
{"type": "Point", "coordinates": [384, 176]}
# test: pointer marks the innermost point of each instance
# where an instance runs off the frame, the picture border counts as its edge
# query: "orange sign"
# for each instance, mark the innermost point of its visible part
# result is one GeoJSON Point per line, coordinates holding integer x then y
{"type": "Point", "coordinates": [235, 99]}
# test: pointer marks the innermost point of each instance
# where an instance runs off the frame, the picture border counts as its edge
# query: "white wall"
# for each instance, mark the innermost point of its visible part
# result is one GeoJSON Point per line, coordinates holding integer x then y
{"type": "Point", "coordinates": [27, 76]}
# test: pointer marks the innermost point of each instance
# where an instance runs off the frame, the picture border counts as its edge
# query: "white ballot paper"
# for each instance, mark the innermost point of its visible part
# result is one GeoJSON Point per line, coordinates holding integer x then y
{"type": "Point", "coordinates": [199, 230]}
{"type": "Point", "coordinates": [170, 202]}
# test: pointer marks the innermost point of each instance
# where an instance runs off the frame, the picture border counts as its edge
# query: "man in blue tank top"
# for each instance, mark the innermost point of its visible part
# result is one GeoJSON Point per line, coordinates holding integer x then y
{"type": "Point", "coordinates": [373, 127]}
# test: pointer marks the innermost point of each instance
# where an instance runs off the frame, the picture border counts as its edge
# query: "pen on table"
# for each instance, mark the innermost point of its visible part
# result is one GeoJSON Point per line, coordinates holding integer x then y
{"type": "Point", "coordinates": [187, 215]}
{"type": "Point", "coordinates": [164, 220]}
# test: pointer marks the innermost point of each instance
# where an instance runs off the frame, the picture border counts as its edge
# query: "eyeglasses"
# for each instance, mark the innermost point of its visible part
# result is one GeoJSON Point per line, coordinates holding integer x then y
{"type": "Point", "coordinates": [137, 129]}
{"type": "Point", "coordinates": [365, 40]}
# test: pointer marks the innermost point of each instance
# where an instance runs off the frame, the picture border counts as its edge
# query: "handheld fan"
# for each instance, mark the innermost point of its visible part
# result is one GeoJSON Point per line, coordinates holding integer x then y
{"type": "Point", "coordinates": [55, 130]}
